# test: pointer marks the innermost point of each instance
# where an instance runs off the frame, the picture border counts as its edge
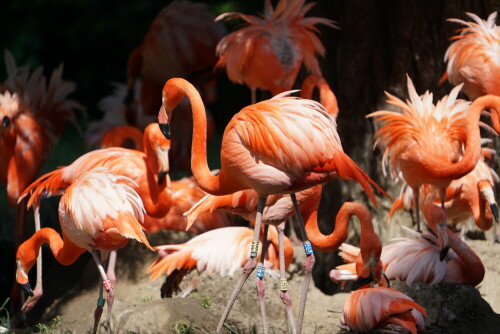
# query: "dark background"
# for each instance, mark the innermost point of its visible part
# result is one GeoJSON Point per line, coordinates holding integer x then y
{"type": "Point", "coordinates": [378, 44]}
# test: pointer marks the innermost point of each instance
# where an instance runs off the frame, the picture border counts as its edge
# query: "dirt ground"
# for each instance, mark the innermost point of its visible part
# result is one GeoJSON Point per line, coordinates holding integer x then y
{"type": "Point", "coordinates": [138, 307]}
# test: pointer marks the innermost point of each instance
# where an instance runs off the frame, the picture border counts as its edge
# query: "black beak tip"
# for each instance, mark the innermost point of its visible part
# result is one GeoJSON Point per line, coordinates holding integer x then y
{"type": "Point", "coordinates": [443, 253]}
{"type": "Point", "coordinates": [5, 121]}
{"type": "Point", "coordinates": [362, 281]}
{"type": "Point", "coordinates": [161, 177]}
{"type": "Point", "coordinates": [26, 287]}
{"type": "Point", "coordinates": [494, 210]}
{"type": "Point", "coordinates": [165, 129]}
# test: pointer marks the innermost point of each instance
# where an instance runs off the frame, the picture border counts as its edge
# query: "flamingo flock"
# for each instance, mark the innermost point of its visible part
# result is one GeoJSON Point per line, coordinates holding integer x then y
{"type": "Point", "coordinates": [275, 157]}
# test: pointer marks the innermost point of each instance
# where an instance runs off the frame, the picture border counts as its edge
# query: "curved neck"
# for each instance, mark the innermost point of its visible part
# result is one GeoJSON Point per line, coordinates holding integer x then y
{"type": "Point", "coordinates": [472, 151]}
{"type": "Point", "coordinates": [65, 251]}
{"type": "Point", "coordinates": [123, 136]}
{"type": "Point", "coordinates": [326, 97]}
{"type": "Point", "coordinates": [472, 269]}
{"type": "Point", "coordinates": [173, 92]}
{"type": "Point", "coordinates": [331, 242]}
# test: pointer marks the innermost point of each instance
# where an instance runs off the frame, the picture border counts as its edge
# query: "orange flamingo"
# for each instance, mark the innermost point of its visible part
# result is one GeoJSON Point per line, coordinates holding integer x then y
{"type": "Point", "coordinates": [268, 52]}
{"type": "Point", "coordinates": [472, 57]}
{"type": "Point", "coordinates": [326, 97]}
{"type": "Point", "coordinates": [148, 170]}
{"type": "Point", "coordinates": [432, 144]}
{"type": "Point", "coordinates": [267, 147]}
{"type": "Point", "coordinates": [98, 211]}
{"type": "Point", "coordinates": [123, 136]}
{"type": "Point", "coordinates": [471, 196]}
{"type": "Point", "coordinates": [208, 252]}
{"type": "Point", "coordinates": [382, 308]}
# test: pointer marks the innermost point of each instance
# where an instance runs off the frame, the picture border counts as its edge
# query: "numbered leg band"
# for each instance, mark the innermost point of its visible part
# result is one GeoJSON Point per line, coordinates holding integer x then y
{"type": "Point", "coordinates": [283, 284]}
{"type": "Point", "coordinates": [107, 284]}
{"type": "Point", "coordinates": [308, 248]}
{"type": "Point", "coordinates": [260, 271]}
{"type": "Point", "coordinates": [254, 248]}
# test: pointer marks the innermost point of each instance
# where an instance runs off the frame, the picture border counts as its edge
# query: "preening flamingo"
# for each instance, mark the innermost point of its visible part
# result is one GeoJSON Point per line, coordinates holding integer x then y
{"type": "Point", "coordinates": [268, 52]}
{"type": "Point", "coordinates": [383, 309]}
{"type": "Point", "coordinates": [472, 58]}
{"type": "Point", "coordinates": [471, 196]}
{"type": "Point", "coordinates": [419, 259]}
{"type": "Point", "coordinates": [432, 144]}
{"type": "Point", "coordinates": [221, 251]}
{"type": "Point", "coordinates": [148, 170]}
{"type": "Point", "coordinates": [98, 211]}
{"type": "Point", "coordinates": [278, 146]}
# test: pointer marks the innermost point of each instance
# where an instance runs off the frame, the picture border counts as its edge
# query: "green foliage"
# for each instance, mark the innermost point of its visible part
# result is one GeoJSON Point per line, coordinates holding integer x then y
{"type": "Point", "coordinates": [49, 329]}
{"type": "Point", "coordinates": [206, 301]}
{"type": "Point", "coordinates": [4, 320]}
{"type": "Point", "coordinates": [183, 327]}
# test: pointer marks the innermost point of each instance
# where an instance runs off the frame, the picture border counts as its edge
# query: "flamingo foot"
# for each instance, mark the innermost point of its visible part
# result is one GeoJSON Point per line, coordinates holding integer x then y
{"type": "Point", "coordinates": [111, 299]}
{"type": "Point", "coordinates": [30, 303]}
{"type": "Point", "coordinates": [287, 301]}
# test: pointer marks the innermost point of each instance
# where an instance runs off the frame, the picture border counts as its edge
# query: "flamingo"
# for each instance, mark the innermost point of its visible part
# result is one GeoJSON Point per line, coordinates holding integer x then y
{"type": "Point", "coordinates": [432, 144]}
{"type": "Point", "coordinates": [472, 57]}
{"type": "Point", "coordinates": [123, 136]}
{"type": "Point", "coordinates": [98, 211]}
{"type": "Point", "coordinates": [471, 196]}
{"type": "Point", "coordinates": [268, 52]}
{"type": "Point", "coordinates": [383, 309]}
{"type": "Point", "coordinates": [148, 170]}
{"type": "Point", "coordinates": [278, 146]}
{"type": "Point", "coordinates": [210, 253]}
{"type": "Point", "coordinates": [419, 259]}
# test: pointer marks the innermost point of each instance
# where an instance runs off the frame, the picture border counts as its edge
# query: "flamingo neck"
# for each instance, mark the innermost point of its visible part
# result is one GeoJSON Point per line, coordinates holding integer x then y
{"type": "Point", "coordinates": [331, 242]}
{"type": "Point", "coordinates": [472, 151]}
{"type": "Point", "coordinates": [65, 251]}
{"type": "Point", "coordinates": [174, 91]}
{"type": "Point", "coordinates": [473, 268]}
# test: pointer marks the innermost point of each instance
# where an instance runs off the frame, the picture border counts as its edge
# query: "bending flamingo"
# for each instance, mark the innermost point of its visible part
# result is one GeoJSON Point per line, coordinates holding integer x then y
{"type": "Point", "coordinates": [98, 211]}
{"type": "Point", "coordinates": [221, 251]}
{"type": "Point", "coordinates": [472, 57]}
{"type": "Point", "coordinates": [148, 170]}
{"type": "Point", "coordinates": [471, 196]}
{"type": "Point", "coordinates": [268, 52]}
{"type": "Point", "coordinates": [432, 144]}
{"type": "Point", "coordinates": [267, 147]}
{"type": "Point", "coordinates": [326, 97]}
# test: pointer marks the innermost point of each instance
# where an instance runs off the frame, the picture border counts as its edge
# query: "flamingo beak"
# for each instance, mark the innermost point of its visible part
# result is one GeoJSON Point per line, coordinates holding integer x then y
{"type": "Point", "coordinates": [165, 129]}
{"type": "Point", "coordinates": [161, 177]}
{"type": "Point", "coordinates": [362, 281]}
{"type": "Point", "coordinates": [443, 241]}
{"type": "Point", "coordinates": [5, 121]}
{"type": "Point", "coordinates": [26, 287]}
{"type": "Point", "coordinates": [494, 210]}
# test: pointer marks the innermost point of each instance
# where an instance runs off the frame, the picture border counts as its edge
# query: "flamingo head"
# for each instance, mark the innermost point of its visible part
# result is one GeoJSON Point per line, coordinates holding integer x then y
{"type": "Point", "coordinates": [487, 193]}
{"type": "Point", "coordinates": [22, 278]}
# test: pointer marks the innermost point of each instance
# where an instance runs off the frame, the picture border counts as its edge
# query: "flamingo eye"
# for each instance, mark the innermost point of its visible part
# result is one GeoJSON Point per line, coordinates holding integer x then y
{"type": "Point", "coordinates": [5, 121]}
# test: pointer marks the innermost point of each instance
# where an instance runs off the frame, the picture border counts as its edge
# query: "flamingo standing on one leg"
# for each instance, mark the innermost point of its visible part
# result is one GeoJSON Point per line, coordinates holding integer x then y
{"type": "Point", "coordinates": [148, 170]}
{"type": "Point", "coordinates": [432, 144]}
{"type": "Point", "coordinates": [278, 146]}
{"type": "Point", "coordinates": [98, 211]}
{"type": "Point", "coordinates": [472, 59]}
{"type": "Point", "coordinates": [269, 51]}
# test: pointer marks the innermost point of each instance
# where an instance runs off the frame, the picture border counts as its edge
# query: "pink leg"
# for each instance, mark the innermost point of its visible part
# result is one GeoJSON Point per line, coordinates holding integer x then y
{"type": "Point", "coordinates": [106, 283]}
{"type": "Point", "coordinates": [308, 265]}
{"type": "Point", "coordinates": [38, 291]}
{"type": "Point", "coordinates": [248, 267]}
{"type": "Point", "coordinates": [261, 288]}
{"type": "Point", "coordinates": [285, 296]}
{"type": "Point", "coordinates": [98, 310]}
{"type": "Point", "coordinates": [111, 268]}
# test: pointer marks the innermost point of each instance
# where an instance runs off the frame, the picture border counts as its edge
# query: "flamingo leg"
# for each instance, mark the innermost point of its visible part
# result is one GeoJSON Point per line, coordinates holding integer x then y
{"type": "Point", "coordinates": [416, 193]}
{"type": "Point", "coordinates": [38, 291]}
{"type": "Point", "coordinates": [261, 288]}
{"type": "Point", "coordinates": [249, 266]}
{"type": "Point", "coordinates": [111, 268]}
{"type": "Point", "coordinates": [308, 265]}
{"type": "Point", "coordinates": [285, 296]}
{"type": "Point", "coordinates": [99, 309]}
{"type": "Point", "coordinates": [105, 281]}
{"type": "Point", "coordinates": [254, 95]}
